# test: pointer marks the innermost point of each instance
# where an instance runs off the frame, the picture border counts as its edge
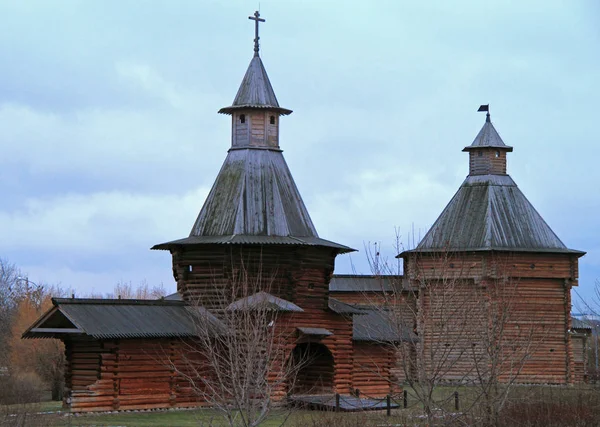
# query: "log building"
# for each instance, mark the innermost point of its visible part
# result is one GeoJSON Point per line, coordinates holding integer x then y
{"type": "Point", "coordinates": [125, 354]}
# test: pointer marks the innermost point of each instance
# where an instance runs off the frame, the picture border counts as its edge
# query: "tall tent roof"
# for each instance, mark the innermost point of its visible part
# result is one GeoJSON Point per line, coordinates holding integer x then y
{"type": "Point", "coordinates": [489, 212]}
{"type": "Point", "coordinates": [255, 91]}
{"type": "Point", "coordinates": [254, 199]}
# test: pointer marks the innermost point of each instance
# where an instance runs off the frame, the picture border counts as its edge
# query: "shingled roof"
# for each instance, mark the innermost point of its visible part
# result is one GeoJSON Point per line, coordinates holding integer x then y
{"type": "Point", "coordinates": [488, 136]}
{"type": "Point", "coordinates": [255, 91]}
{"type": "Point", "coordinates": [254, 199]}
{"type": "Point", "coordinates": [489, 212]}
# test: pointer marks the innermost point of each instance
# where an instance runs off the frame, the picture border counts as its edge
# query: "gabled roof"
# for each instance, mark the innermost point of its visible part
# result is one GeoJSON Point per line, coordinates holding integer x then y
{"type": "Point", "coordinates": [255, 91]}
{"type": "Point", "coordinates": [254, 200]}
{"type": "Point", "coordinates": [265, 301]}
{"type": "Point", "coordinates": [120, 318]}
{"type": "Point", "coordinates": [489, 212]}
{"type": "Point", "coordinates": [489, 137]}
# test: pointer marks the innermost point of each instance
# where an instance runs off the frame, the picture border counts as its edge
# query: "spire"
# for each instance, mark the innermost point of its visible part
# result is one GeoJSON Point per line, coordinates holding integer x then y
{"type": "Point", "coordinates": [489, 211]}
{"type": "Point", "coordinates": [254, 200]}
{"type": "Point", "coordinates": [487, 153]}
{"type": "Point", "coordinates": [256, 90]}
{"type": "Point", "coordinates": [488, 135]}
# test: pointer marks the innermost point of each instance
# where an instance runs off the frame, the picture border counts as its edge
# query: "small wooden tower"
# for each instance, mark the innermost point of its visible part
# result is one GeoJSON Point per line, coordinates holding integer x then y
{"type": "Point", "coordinates": [255, 227]}
{"type": "Point", "coordinates": [490, 234]}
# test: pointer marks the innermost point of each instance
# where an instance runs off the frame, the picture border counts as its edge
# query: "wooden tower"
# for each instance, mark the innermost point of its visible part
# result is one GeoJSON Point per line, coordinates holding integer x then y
{"type": "Point", "coordinates": [490, 237]}
{"type": "Point", "coordinates": [254, 228]}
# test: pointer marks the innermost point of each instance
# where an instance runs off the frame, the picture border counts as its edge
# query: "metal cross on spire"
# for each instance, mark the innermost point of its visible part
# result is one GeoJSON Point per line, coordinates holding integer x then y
{"type": "Point", "coordinates": [256, 18]}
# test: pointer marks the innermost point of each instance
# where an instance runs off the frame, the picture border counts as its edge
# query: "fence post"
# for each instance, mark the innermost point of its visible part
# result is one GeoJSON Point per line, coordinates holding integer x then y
{"type": "Point", "coordinates": [389, 405]}
{"type": "Point", "coordinates": [456, 402]}
{"type": "Point", "coordinates": [337, 402]}
{"type": "Point", "coordinates": [405, 399]}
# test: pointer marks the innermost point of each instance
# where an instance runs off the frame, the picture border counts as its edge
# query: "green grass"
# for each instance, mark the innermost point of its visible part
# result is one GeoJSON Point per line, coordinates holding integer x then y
{"type": "Point", "coordinates": [177, 418]}
{"type": "Point", "coordinates": [48, 406]}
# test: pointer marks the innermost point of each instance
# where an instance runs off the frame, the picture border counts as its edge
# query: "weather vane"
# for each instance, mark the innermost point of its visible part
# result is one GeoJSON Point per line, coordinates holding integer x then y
{"type": "Point", "coordinates": [256, 18]}
{"type": "Point", "coordinates": [485, 108]}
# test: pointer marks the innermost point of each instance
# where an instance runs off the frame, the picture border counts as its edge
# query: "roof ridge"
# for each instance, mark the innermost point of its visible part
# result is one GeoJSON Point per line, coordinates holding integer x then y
{"type": "Point", "coordinates": [115, 301]}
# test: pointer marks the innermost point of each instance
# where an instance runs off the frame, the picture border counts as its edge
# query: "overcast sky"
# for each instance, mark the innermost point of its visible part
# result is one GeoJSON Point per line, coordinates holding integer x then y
{"type": "Point", "coordinates": [111, 141]}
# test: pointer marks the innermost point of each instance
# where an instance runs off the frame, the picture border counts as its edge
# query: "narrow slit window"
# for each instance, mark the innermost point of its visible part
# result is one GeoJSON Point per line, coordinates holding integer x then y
{"type": "Point", "coordinates": [272, 119]}
{"type": "Point", "coordinates": [242, 118]}
{"type": "Point", "coordinates": [497, 153]}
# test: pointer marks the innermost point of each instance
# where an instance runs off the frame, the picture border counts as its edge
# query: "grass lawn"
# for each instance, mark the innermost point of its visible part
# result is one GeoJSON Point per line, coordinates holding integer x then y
{"type": "Point", "coordinates": [185, 418]}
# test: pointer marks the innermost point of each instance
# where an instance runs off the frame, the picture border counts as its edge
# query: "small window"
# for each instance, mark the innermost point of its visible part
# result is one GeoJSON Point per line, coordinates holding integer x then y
{"type": "Point", "coordinates": [479, 153]}
{"type": "Point", "coordinates": [242, 118]}
{"type": "Point", "coordinates": [272, 119]}
{"type": "Point", "coordinates": [497, 153]}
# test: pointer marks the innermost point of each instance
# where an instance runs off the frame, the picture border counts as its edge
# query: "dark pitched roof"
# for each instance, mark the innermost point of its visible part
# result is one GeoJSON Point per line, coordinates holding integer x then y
{"type": "Point", "coordinates": [254, 200]}
{"type": "Point", "coordinates": [488, 136]}
{"type": "Point", "coordinates": [109, 318]}
{"type": "Point", "coordinates": [378, 325]}
{"type": "Point", "coordinates": [580, 324]}
{"type": "Point", "coordinates": [489, 212]}
{"type": "Point", "coordinates": [315, 331]}
{"type": "Point", "coordinates": [363, 283]}
{"type": "Point", "coordinates": [255, 91]}
{"type": "Point", "coordinates": [176, 296]}
{"type": "Point", "coordinates": [341, 307]}
{"type": "Point", "coordinates": [263, 300]}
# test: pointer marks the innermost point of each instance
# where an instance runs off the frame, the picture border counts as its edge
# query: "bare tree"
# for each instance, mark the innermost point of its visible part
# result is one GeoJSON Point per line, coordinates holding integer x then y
{"type": "Point", "coordinates": [502, 348]}
{"type": "Point", "coordinates": [127, 290]}
{"type": "Point", "coordinates": [11, 291]}
{"type": "Point", "coordinates": [469, 332]}
{"type": "Point", "coordinates": [239, 362]}
{"type": "Point", "coordinates": [45, 358]}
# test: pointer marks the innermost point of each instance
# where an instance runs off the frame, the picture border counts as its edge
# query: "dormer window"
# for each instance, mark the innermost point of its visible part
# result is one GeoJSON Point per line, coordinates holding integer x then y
{"type": "Point", "coordinates": [272, 120]}
{"type": "Point", "coordinates": [242, 118]}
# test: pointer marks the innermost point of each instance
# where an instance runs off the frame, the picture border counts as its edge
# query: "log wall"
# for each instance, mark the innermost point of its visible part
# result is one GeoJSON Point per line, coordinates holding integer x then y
{"type": "Point", "coordinates": [536, 296]}
{"type": "Point", "coordinates": [125, 374]}
{"type": "Point", "coordinates": [298, 274]}
{"type": "Point", "coordinates": [580, 357]}
{"type": "Point", "coordinates": [373, 365]}
{"type": "Point", "coordinates": [295, 273]}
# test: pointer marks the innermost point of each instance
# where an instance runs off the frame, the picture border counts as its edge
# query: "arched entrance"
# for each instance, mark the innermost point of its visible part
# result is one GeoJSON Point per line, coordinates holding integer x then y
{"type": "Point", "coordinates": [315, 375]}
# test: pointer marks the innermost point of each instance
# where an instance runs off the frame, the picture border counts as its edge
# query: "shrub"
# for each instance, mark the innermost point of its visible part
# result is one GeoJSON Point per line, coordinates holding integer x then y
{"type": "Point", "coordinates": [21, 388]}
